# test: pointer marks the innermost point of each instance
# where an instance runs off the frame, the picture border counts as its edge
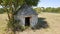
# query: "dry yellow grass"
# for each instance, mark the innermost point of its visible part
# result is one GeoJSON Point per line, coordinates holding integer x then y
{"type": "Point", "coordinates": [3, 23]}
{"type": "Point", "coordinates": [52, 19]}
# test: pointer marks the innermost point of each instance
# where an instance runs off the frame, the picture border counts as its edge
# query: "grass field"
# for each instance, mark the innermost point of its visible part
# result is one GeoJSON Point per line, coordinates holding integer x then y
{"type": "Point", "coordinates": [52, 20]}
{"type": "Point", "coordinates": [3, 23]}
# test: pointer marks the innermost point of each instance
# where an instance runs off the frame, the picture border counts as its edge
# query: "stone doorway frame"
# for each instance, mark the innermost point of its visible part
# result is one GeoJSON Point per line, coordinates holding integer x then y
{"type": "Point", "coordinates": [27, 19]}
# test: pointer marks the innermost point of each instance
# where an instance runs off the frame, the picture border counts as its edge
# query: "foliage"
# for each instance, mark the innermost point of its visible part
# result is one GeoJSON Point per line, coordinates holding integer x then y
{"type": "Point", "coordinates": [54, 10]}
{"type": "Point", "coordinates": [15, 26]}
{"type": "Point", "coordinates": [48, 9]}
{"type": "Point", "coordinates": [32, 2]}
{"type": "Point", "coordinates": [38, 10]}
{"type": "Point", "coordinates": [2, 10]}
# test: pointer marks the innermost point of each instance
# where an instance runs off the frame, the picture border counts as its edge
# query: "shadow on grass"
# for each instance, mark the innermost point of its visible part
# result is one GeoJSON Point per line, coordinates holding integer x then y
{"type": "Point", "coordinates": [41, 24]}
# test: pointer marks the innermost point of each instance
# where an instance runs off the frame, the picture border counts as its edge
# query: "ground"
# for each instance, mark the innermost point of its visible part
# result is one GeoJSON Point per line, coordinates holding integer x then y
{"type": "Point", "coordinates": [52, 20]}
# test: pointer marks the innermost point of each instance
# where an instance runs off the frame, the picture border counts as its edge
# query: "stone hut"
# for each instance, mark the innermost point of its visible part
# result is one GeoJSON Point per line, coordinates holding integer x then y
{"type": "Point", "coordinates": [27, 16]}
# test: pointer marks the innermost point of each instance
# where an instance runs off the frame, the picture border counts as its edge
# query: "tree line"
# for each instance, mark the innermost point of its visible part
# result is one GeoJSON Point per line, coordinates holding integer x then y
{"type": "Point", "coordinates": [48, 9]}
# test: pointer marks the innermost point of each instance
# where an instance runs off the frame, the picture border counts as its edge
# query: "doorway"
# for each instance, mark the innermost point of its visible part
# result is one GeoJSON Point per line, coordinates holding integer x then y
{"type": "Point", "coordinates": [27, 21]}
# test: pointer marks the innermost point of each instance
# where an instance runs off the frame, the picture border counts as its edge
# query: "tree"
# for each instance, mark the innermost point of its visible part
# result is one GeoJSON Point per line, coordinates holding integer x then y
{"type": "Point", "coordinates": [58, 10]}
{"type": "Point", "coordinates": [43, 9]}
{"type": "Point", "coordinates": [2, 11]}
{"type": "Point", "coordinates": [48, 9]}
{"type": "Point", "coordinates": [7, 4]}
{"type": "Point", "coordinates": [52, 9]}
{"type": "Point", "coordinates": [11, 6]}
{"type": "Point", "coordinates": [38, 10]}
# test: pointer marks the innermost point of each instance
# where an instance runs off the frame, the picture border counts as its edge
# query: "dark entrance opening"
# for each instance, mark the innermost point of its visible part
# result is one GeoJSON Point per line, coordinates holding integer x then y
{"type": "Point", "coordinates": [27, 21]}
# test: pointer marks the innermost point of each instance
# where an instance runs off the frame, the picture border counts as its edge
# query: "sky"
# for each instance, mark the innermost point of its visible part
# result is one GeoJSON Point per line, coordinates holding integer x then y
{"type": "Point", "coordinates": [49, 3]}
